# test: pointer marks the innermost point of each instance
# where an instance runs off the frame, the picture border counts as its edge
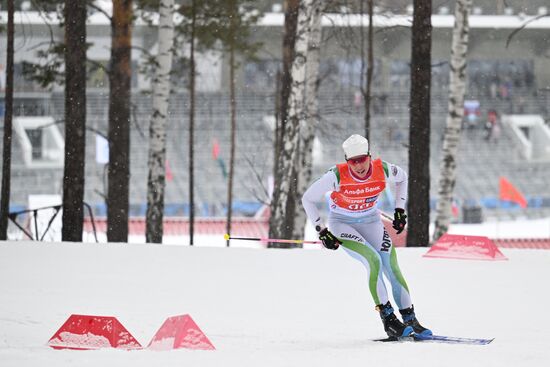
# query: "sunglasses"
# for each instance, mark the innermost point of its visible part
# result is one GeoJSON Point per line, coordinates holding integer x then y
{"type": "Point", "coordinates": [358, 160]}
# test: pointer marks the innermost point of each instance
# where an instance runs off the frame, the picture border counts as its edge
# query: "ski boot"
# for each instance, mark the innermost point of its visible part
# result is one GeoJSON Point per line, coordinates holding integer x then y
{"type": "Point", "coordinates": [392, 325]}
{"type": "Point", "coordinates": [409, 319]}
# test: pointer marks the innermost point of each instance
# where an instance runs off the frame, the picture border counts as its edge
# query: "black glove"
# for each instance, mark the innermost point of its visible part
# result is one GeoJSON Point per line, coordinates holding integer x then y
{"type": "Point", "coordinates": [399, 220]}
{"type": "Point", "coordinates": [329, 240]}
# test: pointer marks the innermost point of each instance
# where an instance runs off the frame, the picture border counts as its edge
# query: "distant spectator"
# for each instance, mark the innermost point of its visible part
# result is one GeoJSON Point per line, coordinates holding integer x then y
{"type": "Point", "coordinates": [521, 104]}
{"type": "Point", "coordinates": [493, 89]}
{"type": "Point", "coordinates": [503, 91]}
{"type": "Point", "coordinates": [471, 113]}
{"type": "Point", "coordinates": [492, 128]}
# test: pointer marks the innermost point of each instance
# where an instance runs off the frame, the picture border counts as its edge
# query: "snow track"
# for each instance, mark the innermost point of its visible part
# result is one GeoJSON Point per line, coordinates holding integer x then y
{"type": "Point", "coordinates": [268, 307]}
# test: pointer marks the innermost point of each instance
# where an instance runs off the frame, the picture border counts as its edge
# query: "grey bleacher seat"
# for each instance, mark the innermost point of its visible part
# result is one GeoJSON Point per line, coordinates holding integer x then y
{"type": "Point", "coordinates": [479, 163]}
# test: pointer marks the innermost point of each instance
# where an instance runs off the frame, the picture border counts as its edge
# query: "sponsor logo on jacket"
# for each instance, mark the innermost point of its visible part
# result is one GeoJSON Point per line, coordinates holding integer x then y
{"type": "Point", "coordinates": [365, 190]}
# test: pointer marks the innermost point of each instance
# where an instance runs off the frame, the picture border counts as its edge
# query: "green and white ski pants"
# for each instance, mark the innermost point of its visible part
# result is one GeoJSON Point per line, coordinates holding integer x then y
{"type": "Point", "coordinates": [366, 240]}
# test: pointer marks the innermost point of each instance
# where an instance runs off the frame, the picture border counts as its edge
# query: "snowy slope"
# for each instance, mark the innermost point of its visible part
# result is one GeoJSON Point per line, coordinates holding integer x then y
{"type": "Point", "coordinates": [268, 307]}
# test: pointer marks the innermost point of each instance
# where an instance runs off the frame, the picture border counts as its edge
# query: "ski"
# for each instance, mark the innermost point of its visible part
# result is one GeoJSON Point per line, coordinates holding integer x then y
{"type": "Point", "coordinates": [437, 339]}
{"type": "Point", "coordinates": [393, 339]}
{"type": "Point", "coordinates": [453, 339]}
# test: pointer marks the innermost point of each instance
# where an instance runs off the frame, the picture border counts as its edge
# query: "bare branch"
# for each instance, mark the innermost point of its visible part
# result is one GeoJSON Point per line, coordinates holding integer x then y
{"type": "Point", "coordinates": [102, 11]}
{"type": "Point", "coordinates": [62, 121]}
{"type": "Point", "coordinates": [517, 30]}
{"type": "Point", "coordinates": [46, 19]}
{"type": "Point", "coordinates": [96, 131]}
{"type": "Point", "coordinates": [133, 110]}
{"type": "Point", "coordinates": [259, 180]}
{"type": "Point", "coordinates": [142, 49]}
{"type": "Point", "coordinates": [56, 122]}
{"type": "Point", "coordinates": [99, 65]}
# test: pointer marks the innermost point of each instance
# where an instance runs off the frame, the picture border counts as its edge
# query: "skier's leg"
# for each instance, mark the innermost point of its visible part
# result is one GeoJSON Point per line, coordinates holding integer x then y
{"type": "Point", "coordinates": [354, 244]}
{"type": "Point", "coordinates": [376, 234]}
{"type": "Point", "coordinates": [381, 241]}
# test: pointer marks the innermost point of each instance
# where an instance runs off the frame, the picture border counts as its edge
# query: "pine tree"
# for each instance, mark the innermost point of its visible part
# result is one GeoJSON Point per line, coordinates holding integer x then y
{"type": "Point", "coordinates": [120, 76]}
{"type": "Point", "coordinates": [233, 20]}
{"type": "Point", "coordinates": [75, 120]}
{"type": "Point", "coordinates": [419, 130]}
{"type": "Point", "coordinates": [8, 117]}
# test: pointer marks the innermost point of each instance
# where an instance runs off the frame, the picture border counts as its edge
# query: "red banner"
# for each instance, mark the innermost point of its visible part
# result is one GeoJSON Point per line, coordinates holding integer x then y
{"type": "Point", "coordinates": [509, 192]}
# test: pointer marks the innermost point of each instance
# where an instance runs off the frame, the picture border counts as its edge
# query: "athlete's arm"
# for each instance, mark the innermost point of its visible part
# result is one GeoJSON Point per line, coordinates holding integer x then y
{"type": "Point", "coordinates": [398, 175]}
{"type": "Point", "coordinates": [315, 193]}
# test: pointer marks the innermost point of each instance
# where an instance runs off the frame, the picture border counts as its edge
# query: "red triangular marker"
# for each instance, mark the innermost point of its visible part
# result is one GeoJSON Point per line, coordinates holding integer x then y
{"type": "Point", "coordinates": [453, 246]}
{"type": "Point", "coordinates": [180, 332]}
{"type": "Point", "coordinates": [92, 332]}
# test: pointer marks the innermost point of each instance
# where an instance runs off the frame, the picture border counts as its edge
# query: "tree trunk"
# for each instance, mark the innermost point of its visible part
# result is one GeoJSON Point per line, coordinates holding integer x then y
{"type": "Point", "coordinates": [192, 126]}
{"type": "Point", "coordinates": [75, 120]}
{"type": "Point", "coordinates": [233, 107]}
{"type": "Point", "coordinates": [289, 39]}
{"type": "Point", "coordinates": [282, 204]}
{"type": "Point", "coordinates": [276, 133]}
{"type": "Point", "coordinates": [156, 181]}
{"type": "Point", "coordinates": [451, 139]}
{"type": "Point", "coordinates": [370, 69]}
{"type": "Point", "coordinates": [307, 128]}
{"type": "Point", "coordinates": [8, 117]}
{"type": "Point", "coordinates": [366, 87]}
{"type": "Point", "coordinates": [419, 133]}
{"type": "Point", "coordinates": [119, 122]}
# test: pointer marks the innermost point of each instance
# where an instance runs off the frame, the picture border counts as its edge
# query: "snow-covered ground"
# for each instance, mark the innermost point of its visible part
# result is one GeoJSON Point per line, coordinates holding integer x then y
{"type": "Point", "coordinates": [268, 307]}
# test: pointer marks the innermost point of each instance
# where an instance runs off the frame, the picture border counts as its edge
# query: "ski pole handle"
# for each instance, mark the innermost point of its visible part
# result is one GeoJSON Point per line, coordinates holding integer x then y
{"type": "Point", "coordinates": [228, 237]}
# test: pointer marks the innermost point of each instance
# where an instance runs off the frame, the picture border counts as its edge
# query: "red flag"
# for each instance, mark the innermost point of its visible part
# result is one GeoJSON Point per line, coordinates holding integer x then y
{"type": "Point", "coordinates": [169, 174]}
{"type": "Point", "coordinates": [510, 193]}
{"type": "Point", "coordinates": [215, 149]}
{"type": "Point", "coordinates": [454, 209]}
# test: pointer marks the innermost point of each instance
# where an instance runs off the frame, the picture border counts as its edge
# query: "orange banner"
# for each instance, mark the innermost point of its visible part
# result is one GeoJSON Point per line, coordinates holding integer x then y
{"type": "Point", "coordinates": [510, 193]}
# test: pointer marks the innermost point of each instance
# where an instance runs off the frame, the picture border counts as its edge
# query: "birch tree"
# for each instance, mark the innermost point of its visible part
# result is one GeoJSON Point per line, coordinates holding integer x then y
{"type": "Point", "coordinates": [156, 181]}
{"type": "Point", "coordinates": [451, 138]}
{"type": "Point", "coordinates": [308, 125]}
{"type": "Point", "coordinates": [75, 120]}
{"type": "Point", "coordinates": [289, 39]}
{"type": "Point", "coordinates": [8, 117]}
{"type": "Point", "coordinates": [281, 221]}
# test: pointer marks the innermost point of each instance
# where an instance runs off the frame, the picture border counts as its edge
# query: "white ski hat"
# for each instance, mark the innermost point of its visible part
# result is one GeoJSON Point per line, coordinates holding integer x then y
{"type": "Point", "coordinates": [355, 145]}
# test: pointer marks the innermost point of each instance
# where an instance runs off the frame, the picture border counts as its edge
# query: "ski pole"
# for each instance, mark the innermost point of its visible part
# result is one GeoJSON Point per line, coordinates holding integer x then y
{"type": "Point", "coordinates": [385, 215]}
{"type": "Point", "coordinates": [228, 237]}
